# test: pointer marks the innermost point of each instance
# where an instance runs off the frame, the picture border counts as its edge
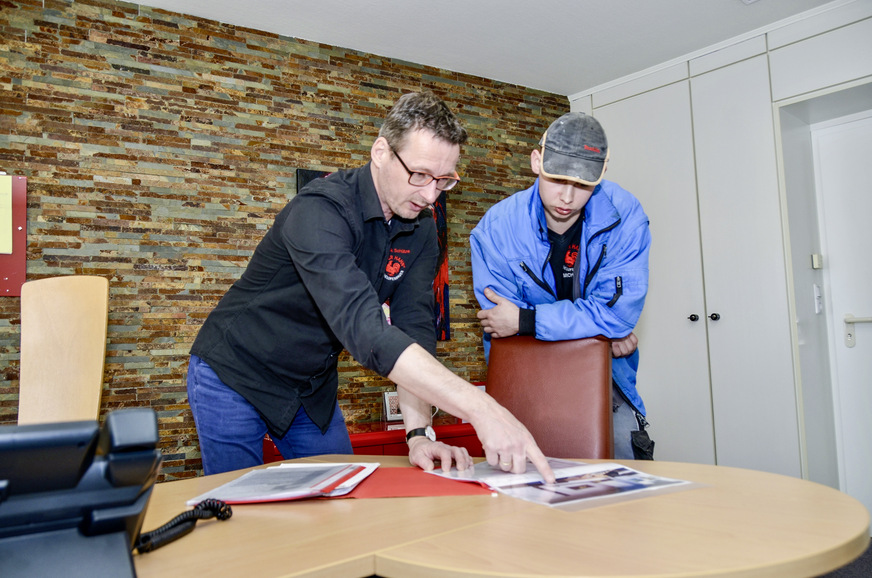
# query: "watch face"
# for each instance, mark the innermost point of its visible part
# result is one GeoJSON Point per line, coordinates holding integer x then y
{"type": "Point", "coordinates": [431, 435]}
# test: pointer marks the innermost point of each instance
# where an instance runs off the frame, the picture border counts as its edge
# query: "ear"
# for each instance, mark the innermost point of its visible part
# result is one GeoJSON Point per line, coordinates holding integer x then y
{"type": "Point", "coordinates": [380, 152]}
{"type": "Point", "coordinates": [536, 161]}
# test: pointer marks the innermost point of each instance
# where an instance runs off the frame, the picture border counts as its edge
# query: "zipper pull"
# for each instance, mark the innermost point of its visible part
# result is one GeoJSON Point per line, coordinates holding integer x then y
{"type": "Point", "coordinates": [619, 290]}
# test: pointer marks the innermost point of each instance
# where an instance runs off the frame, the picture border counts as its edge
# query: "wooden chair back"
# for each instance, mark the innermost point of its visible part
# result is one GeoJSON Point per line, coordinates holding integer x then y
{"type": "Point", "coordinates": [63, 348]}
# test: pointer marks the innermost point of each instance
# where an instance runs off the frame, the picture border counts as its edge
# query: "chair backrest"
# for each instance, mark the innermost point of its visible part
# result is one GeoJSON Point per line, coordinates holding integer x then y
{"type": "Point", "coordinates": [63, 348]}
{"type": "Point", "coordinates": [560, 390]}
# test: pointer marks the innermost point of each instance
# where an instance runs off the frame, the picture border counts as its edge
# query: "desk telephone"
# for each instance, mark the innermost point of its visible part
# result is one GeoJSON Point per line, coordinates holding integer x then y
{"type": "Point", "coordinates": [74, 495]}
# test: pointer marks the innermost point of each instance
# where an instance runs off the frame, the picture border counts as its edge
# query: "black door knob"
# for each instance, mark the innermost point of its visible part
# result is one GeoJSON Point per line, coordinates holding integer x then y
{"type": "Point", "coordinates": [714, 316]}
{"type": "Point", "coordinates": [693, 317]}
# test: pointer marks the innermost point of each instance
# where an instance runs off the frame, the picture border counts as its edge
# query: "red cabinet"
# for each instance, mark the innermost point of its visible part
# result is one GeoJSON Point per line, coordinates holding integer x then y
{"type": "Point", "coordinates": [389, 438]}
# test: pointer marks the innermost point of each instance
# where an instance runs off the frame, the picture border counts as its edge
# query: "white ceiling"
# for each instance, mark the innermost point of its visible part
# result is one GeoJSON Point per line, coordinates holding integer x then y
{"type": "Point", "coordinates": [560, 46]}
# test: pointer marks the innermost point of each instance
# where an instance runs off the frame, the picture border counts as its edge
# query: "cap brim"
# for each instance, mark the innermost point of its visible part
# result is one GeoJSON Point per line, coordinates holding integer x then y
{"type": "Point", "coordinates": [566, 168]}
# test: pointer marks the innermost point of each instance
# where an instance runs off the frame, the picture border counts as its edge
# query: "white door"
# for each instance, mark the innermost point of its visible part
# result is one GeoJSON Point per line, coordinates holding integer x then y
{"type": "Point", "coordinates": [651, 155]}
{"type": "Point", "coordinates": [843, 174]}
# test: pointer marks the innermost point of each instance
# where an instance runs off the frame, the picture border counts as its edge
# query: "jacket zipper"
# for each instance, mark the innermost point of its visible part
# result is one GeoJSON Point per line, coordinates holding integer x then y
{"type": "Point", "coordinates": [590, 275]}
{"type": "Point", "coordinates": [536, 279]}
{"type": "Point", "coordinates": [588, 278]}
{"type": "Point", "coordinates": [593, 271]}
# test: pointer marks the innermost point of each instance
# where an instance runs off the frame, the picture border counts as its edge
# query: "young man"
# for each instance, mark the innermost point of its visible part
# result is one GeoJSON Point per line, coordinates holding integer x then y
{"type": "Point", "coordinates": [567, 259]}
{"type": "Point", "coordinates": [266, 357]}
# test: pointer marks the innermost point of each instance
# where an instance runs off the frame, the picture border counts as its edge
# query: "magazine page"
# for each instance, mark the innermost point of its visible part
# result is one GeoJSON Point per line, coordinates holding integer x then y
{"type": "Point", "coordinates": [493, 477]}
{"type": "Point", "coordinates": [578, 486]}
{"type": "Point", "coordinates": [290, 482]}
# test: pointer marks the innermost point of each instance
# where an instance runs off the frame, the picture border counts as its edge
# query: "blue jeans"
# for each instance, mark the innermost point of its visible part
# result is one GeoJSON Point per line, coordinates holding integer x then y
{"type": "Point", "coordinates": [231, 431]}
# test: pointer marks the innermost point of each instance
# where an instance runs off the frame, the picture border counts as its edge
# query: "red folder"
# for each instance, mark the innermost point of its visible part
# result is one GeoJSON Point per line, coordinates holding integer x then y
{"type": "Point", "coordinates": [409, 482]}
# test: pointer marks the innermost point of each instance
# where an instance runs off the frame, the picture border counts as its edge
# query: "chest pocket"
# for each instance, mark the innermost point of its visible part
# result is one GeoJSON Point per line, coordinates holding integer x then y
{"type": "Point", "coordinates": [533, 288]}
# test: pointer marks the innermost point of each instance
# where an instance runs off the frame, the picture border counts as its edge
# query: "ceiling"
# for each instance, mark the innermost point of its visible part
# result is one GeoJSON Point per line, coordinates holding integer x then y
{"type": "Point", "coordinates": [559, 46]}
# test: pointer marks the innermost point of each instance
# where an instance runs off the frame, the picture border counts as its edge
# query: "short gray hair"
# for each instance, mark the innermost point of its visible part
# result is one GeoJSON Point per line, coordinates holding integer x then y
{"type": "Point", "coordinates": [421, 110]}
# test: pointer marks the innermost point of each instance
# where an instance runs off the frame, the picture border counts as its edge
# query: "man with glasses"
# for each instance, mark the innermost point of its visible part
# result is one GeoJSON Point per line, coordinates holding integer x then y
{"type": "Point", "coordinates": [266, 357]}
{"type": "Point", "coordinates": [568, 259]}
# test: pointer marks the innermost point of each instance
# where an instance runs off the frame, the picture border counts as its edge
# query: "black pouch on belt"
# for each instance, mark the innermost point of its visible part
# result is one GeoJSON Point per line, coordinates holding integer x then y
{"type": "Point", "coordinates": [643, 446]}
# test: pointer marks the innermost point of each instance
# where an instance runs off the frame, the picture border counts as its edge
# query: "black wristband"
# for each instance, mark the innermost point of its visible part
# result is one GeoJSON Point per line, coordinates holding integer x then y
{"type": "Point", "coordinates": [526, 322]}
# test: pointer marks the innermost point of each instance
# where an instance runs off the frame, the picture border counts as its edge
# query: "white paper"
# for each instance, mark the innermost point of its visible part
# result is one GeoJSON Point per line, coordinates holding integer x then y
{"type": "Point", "coordinates": [289, 482]}
{"type": "Point", "coordinates": [6, 214]}
{"type": "Point", "coordinates": [579, 485]}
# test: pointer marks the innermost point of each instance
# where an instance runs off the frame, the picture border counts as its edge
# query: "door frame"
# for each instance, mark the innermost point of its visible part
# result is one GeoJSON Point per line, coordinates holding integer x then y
{"type": "Point", "coordinates": [810, 333]}
{"type": "Point", "coordinates": [836, 327]}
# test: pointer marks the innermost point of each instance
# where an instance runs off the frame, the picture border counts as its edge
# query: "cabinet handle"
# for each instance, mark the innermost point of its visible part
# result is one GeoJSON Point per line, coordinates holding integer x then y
{"type": "Point", "coordinates": [693, 317]}
{"type": "Point", "coordinates": [715, 316]}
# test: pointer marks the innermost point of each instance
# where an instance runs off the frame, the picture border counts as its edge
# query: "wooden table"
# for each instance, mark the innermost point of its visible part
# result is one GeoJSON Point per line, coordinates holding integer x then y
{"type": "Point", "coordinates": [738, 523]}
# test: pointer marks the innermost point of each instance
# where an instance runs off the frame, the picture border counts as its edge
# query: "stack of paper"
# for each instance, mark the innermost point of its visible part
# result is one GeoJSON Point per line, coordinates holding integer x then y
{"type": "Point", "coordinates": [290, 482]}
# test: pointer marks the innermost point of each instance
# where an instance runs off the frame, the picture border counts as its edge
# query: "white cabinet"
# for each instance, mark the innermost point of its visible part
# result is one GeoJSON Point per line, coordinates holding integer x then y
{"type": "Point", "coordinates": [753, 385]}
{"type": "Point", "coordinates": [824, 60]}
{"type": "Point", "coordinates": [651, 155]}
{"type": "Point", "coordinates": [700, 156]}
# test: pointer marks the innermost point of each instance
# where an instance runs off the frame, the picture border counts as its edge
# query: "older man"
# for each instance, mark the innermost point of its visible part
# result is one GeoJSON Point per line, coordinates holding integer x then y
{"type": "Point", "coordinates": [266, 357]}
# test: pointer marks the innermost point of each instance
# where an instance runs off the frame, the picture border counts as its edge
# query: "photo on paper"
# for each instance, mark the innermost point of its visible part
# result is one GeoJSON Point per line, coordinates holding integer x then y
{"type": "Point", "coordinates": [611, 481]}
{"type": "Point", "coordinates": [579, 485]}
{"type": "Point", "coordinates": [392, 406]}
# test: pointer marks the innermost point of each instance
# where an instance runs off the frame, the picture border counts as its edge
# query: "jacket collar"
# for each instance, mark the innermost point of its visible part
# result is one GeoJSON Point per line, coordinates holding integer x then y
{"type": "Point", "coordinates": [599, 213]}
{"type": "Point", "coordinates": [370, 203]}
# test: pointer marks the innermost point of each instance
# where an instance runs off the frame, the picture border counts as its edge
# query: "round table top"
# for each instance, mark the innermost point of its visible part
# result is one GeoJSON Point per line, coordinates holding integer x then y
{"type": "Point", "coordinates": [731, 522]}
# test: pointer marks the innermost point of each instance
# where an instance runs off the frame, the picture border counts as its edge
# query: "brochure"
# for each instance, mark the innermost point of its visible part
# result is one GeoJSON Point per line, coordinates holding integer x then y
{"type": "Point", "coordinates": [290, 481]}
{"type": "Point", "coordinates": [579, 485]}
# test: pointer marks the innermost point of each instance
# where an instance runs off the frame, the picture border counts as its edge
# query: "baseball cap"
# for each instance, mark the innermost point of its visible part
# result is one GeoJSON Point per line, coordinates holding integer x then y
{"type": "Point", "coordinates": [574, 148]}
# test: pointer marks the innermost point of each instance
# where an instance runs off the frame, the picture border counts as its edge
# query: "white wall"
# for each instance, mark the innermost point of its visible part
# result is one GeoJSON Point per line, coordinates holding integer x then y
{"type": "Point", "coordinates": [820, 66]}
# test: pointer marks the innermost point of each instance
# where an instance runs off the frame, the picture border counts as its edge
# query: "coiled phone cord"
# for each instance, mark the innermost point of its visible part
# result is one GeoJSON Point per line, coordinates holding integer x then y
{"type": "Point", "coordinates": [182, 525]}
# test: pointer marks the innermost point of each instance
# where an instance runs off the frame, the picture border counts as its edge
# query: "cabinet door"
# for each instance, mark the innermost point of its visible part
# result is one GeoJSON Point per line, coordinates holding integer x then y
{"type": "Point", "coordinates": [651, 146]}
{"type": "Point", "coordinates": [753, 386]}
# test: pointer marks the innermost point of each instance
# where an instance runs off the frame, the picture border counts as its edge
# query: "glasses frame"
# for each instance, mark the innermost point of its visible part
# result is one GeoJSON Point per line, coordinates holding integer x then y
{"type": "Point", "coordinates": [452, 181]}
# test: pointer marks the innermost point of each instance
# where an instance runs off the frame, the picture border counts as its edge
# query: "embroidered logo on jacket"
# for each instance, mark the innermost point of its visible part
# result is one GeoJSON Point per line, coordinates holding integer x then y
{"type": "Point", "coordinates": [396, 266]}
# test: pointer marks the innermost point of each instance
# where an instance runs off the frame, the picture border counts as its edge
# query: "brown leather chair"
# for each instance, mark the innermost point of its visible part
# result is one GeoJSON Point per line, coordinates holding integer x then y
{"type": "Point", "coordinates": [560, 390]}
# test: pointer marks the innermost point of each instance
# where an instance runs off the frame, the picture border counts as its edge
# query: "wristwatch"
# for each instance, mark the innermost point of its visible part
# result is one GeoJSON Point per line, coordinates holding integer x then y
{"type": "Point", "coordinates": [422, 431]}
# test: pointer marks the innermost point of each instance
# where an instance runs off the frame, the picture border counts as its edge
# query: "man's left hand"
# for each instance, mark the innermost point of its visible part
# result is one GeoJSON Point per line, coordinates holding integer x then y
{"type": "Point", "coordinates": [624, 347]}
{"type": "Point", "coordinates": [502, 320]}
{"type": "Point", "coordinates": [424, 454]}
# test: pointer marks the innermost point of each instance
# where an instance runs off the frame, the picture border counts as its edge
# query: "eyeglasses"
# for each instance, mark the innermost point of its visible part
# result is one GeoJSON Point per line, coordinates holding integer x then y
{"type": "Point", "coordinates": [420, 179]}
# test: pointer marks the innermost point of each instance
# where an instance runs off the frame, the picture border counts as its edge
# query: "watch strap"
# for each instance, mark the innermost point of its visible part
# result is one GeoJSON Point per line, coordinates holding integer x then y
{"type": "Point", "coordinates": [420, 431]}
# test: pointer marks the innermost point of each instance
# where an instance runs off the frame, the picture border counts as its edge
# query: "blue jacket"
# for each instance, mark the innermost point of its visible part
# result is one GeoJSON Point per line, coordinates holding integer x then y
{"type": "Point", "coordinates": [510, 251]}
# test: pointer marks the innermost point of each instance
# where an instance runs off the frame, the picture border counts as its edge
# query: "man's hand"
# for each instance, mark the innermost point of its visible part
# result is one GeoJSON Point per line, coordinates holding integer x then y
{"type": "Point", "coordinates": [505, 440]}
{"type": "Point", "coordinates": [508, 445]}
{"type": "Point", "coordinates": [624, 347]}
{"type": "Point", "coordinates": [424, 454]}
{"type": "Point", "coordinates": [502, 320]}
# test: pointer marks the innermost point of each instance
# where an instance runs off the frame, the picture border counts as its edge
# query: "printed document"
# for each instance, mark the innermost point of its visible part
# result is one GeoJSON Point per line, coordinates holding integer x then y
{"type": "Point", "coordinates": [579, 485]}
{"type": "Point", "coordinates": [290, 482]}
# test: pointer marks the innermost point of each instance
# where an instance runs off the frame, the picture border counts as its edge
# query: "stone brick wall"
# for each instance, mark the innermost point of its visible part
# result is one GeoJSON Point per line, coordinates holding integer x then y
{"type": "Point", "coordinates": [158, 148]}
